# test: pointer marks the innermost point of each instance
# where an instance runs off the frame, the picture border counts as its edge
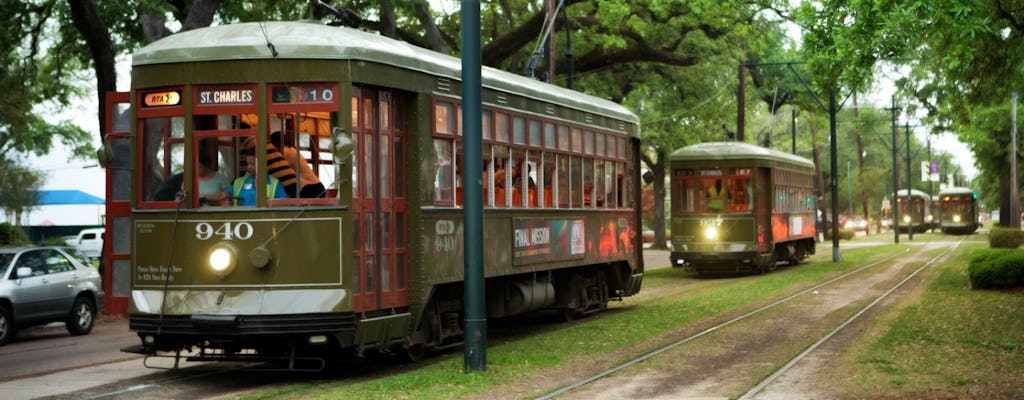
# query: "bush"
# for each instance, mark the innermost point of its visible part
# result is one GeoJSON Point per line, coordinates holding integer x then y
{"type": "Point", "coordinates": [996, 268]}
{"type": "Point", "coordinates": [1005, 238]}
{"type": "Point", "coordinates": [10, 234]}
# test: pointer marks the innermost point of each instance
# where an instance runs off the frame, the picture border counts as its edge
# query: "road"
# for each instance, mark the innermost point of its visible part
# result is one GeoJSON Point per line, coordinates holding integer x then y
{"type": "Point", "coordinates": [47, 361]}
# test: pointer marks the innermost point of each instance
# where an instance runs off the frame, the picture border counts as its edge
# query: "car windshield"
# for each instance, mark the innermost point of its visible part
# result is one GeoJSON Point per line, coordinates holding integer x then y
{"type": "Point", "coordinates": [79, 255]}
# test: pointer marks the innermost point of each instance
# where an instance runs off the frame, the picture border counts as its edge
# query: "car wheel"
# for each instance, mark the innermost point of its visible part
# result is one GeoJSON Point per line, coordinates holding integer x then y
{"type": "Point", "coordinates": [7, 330]}
{"type": "Point", "coordinates": [82, 316]}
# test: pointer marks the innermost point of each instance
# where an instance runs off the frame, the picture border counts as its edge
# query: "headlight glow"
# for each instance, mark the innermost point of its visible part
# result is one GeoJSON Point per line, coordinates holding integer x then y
{"type": "Point", "coordinates": [956, 218]}
{"type": "Point", "coordinates": [906, 218]}
{"type": "Point", "coordinates": [711, 232]}
{"type": "Point", "coordinates": [222, 260]}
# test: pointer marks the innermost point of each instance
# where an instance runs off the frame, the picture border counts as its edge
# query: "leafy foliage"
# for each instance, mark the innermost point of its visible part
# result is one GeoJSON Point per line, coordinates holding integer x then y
{"type": "Point", "coordinates": [996, 268]}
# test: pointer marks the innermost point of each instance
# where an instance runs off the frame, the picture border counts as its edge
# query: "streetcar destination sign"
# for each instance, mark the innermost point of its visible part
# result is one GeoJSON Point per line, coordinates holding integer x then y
{"type": "Point", "coordinates": [225, 96]}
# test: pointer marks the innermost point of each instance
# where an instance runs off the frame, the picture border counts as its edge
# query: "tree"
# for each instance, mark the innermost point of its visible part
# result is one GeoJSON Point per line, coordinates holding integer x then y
{"type": "Point", "coordinates": [962, 54]}
{"type": "Point", "coordinates": [29, 81]}
{"type": "Point", "coordinates": [19, 188]}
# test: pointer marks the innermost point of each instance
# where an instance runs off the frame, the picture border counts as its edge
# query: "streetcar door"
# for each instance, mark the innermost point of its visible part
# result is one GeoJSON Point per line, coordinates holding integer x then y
{"type": "Point", "coordinates": [379, 200]}
{"type": "Point", "coordinates": [114, 262]}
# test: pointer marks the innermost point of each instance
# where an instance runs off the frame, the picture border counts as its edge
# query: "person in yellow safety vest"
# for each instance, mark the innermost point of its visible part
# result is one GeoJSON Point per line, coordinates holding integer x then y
{"type": "Point", "coordinates": [243, 189]}
{"type": "Point", "coordinates": [717, 194]}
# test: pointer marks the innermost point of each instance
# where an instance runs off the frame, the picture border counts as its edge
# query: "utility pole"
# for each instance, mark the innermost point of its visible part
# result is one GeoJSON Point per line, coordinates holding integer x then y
{"type": "Point", "coordinates": [849, 187]}
{"type": "Point", "coordinates": [832, 109]}
{"type": "Point", "coordinates": [793, 111]}
{"type": "Point", "coordinates": [895, 178]}
{"type": "Point", "coordinates": [1014, 194]}
{"type": "Point", "coordinates": [474, 316]}
{"type": "Point", "coordinates": [910, 205]}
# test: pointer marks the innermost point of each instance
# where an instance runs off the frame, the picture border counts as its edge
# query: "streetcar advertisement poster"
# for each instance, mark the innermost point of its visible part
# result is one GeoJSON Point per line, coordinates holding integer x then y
{"type": "Point", "coordinates": [547, 239]}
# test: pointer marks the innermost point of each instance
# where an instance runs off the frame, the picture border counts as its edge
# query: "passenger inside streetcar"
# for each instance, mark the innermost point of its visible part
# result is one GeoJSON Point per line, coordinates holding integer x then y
{"type": "Point", "coordinates": [717, 194]}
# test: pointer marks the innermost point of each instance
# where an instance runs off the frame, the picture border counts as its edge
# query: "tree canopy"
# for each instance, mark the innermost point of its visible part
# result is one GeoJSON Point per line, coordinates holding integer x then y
{"type": "Point", "coordinates": [675, 63]}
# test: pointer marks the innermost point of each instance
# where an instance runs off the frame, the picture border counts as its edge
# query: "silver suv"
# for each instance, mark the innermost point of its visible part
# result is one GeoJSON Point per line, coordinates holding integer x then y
{"type": "Point", "coordinates": [40, 285]}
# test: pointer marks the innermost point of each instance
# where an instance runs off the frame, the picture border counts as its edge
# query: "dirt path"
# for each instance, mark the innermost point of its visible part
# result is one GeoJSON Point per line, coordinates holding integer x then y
{"type": "Point", "coordinates": [728, 362]}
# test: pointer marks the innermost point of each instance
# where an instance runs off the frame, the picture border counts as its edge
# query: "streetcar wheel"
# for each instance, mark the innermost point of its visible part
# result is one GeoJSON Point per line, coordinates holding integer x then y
{"type": "Point", "coordinates": [82, 316]}
{"type": "Point", "coordinates": [7, 330]}
{"type": "Point", "coordinates": [569, 314]}
{"type": "Point", "coordinates": [415, 352]}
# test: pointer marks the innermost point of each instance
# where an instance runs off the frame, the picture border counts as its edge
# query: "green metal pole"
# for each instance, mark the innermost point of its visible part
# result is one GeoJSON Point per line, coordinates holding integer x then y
{"type": "Point", "coordinates": [475, 317]}
{"type": "Point", "coordinates": [895, 179]}
{"type": "Point", "coordinates": [835, 186]}
{"type": "Point", "coordinates": [794, 130]}
{"type": "Point", "coordinates": [910, 206]}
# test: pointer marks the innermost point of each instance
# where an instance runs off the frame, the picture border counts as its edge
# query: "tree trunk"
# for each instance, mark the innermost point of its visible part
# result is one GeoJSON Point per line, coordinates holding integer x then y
{"type": "Point", "coordinates": [427, 20]}
{"type": "Point", "coordinates": [87, 21]}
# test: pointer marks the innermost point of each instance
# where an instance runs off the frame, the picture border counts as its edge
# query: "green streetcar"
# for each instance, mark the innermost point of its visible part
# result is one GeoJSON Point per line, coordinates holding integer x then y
{"type": "Point", "coordinates": [373, 261]}
{"type": "Point", "coordinates": [738, 207]}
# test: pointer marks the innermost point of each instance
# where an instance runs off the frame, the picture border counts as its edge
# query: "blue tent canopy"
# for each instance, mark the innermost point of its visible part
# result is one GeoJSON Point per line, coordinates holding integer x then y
{"type": "Point", "coordinates": [65, 197]}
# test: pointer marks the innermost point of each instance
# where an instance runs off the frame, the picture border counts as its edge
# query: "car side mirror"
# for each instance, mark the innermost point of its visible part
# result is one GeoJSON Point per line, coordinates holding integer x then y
{"type": "Point", "coordinates": [24, 272]}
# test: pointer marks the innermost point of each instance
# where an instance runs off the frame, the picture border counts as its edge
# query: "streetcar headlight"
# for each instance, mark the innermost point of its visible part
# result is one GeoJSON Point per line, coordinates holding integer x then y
{"type": "Point", "coordinates": [222, 260]}
{"type": "Point", "coordinates": [906, 218]}
{"type": "Point", "coordinates": [711, 232]}
{"type": "Point", "coordinates": [956, 218]}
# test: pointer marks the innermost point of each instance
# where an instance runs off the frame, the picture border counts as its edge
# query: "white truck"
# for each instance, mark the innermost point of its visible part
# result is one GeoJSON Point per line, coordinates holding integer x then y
{"type": "Point", "coordinates": [89, 241]}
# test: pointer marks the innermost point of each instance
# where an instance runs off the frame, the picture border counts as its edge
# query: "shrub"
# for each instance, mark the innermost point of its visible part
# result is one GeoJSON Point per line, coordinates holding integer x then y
{"type": "Point", "coordinates": [996, 268]}
{"type": "Point", "coordinates": [10, 234]}
{"type": "Point", "coordinates": [1005, 238]}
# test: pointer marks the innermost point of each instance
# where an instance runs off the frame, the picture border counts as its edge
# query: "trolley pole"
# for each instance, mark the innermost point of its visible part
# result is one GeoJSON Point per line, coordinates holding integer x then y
{"type": "Point", "coordinates": [475, 318]}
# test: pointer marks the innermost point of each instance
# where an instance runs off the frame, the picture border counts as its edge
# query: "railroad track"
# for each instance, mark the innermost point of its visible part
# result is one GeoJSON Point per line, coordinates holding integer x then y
{"type": "Point", "coordinates": [606, 383]}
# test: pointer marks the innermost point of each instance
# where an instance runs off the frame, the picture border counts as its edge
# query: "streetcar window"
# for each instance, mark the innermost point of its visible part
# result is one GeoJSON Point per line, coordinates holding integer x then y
{"type": "Point", "coordinates": [575, 181]}
{"type": "Point", "coordinates": [163, 158]}
{"type": "Point", "coordinates": [562, 181]}
{"type": "Point", "coordinates": [546, 180]}
{"type": "Point", "coordinates": [563, 138]}
{"type": "Point", "coordinates": [577, 140]}
{"type": "Point", "coordinates": [443, 172]}
{"type": "Point", "coordinates": [499, 174]}
{"type": "Point", "coordinates": [501, 126]}
{"type": "Point", "coordinates": [444, 117]}
{"type": "Point", "coordinates": [488, 125]}
{"type": "Point", "coordinates": [518, 130]}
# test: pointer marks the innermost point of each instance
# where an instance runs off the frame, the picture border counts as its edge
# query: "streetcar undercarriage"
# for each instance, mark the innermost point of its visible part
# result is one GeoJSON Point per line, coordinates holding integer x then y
{"type": "Point", "coordinates": [309, 341]}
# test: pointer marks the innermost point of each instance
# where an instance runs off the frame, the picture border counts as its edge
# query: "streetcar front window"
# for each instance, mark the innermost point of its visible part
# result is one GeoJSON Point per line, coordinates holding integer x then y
{"type": "Point", "coordinates": [712, 190]}
{"type": "Point", "coordinates": [163, 159]}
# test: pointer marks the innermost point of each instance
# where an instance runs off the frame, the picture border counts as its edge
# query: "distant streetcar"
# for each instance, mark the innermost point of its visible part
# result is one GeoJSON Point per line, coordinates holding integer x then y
{"type": "Point", "coordinates": [373, 259]}
{"type": "Point", "coordinates": [958, 210]}
{"type": "Point", "coordinates": [738, 207]}
{"type": "Point", "coordinates": [916, 216]}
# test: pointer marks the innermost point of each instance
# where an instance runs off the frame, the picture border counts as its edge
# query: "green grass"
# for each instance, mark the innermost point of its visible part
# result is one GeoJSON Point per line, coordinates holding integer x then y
{"type": "Point", "coordinates": [629, 329]}
{"type": "Point", "coordinates": [950, 341]}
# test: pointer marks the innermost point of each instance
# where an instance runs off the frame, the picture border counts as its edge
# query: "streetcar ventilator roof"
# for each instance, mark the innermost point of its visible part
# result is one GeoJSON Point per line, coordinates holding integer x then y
{"type": "Point", "coordinates": [735, 151]}
{"type": "Point", "coordinates": [312, 40]}
{"type": "Point", "coordinates": [955, 190]}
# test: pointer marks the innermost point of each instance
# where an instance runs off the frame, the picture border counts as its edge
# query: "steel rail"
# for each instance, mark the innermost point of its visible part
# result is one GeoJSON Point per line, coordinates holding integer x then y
{"type": "Point", "coordinates": [672, 345]}
{"type": "Point", "coordinates": [771, 378]}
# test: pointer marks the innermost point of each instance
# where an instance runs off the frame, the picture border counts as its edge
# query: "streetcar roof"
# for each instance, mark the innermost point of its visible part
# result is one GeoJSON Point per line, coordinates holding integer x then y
{"type": "Point", "coordinates": [913, 193]}
{"type": "Point", "coordinates": [956, 190]}
{"type": "Point", "coordinates": [313, 40]}
{"type": "Point", "coordinates": [735, 151]}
